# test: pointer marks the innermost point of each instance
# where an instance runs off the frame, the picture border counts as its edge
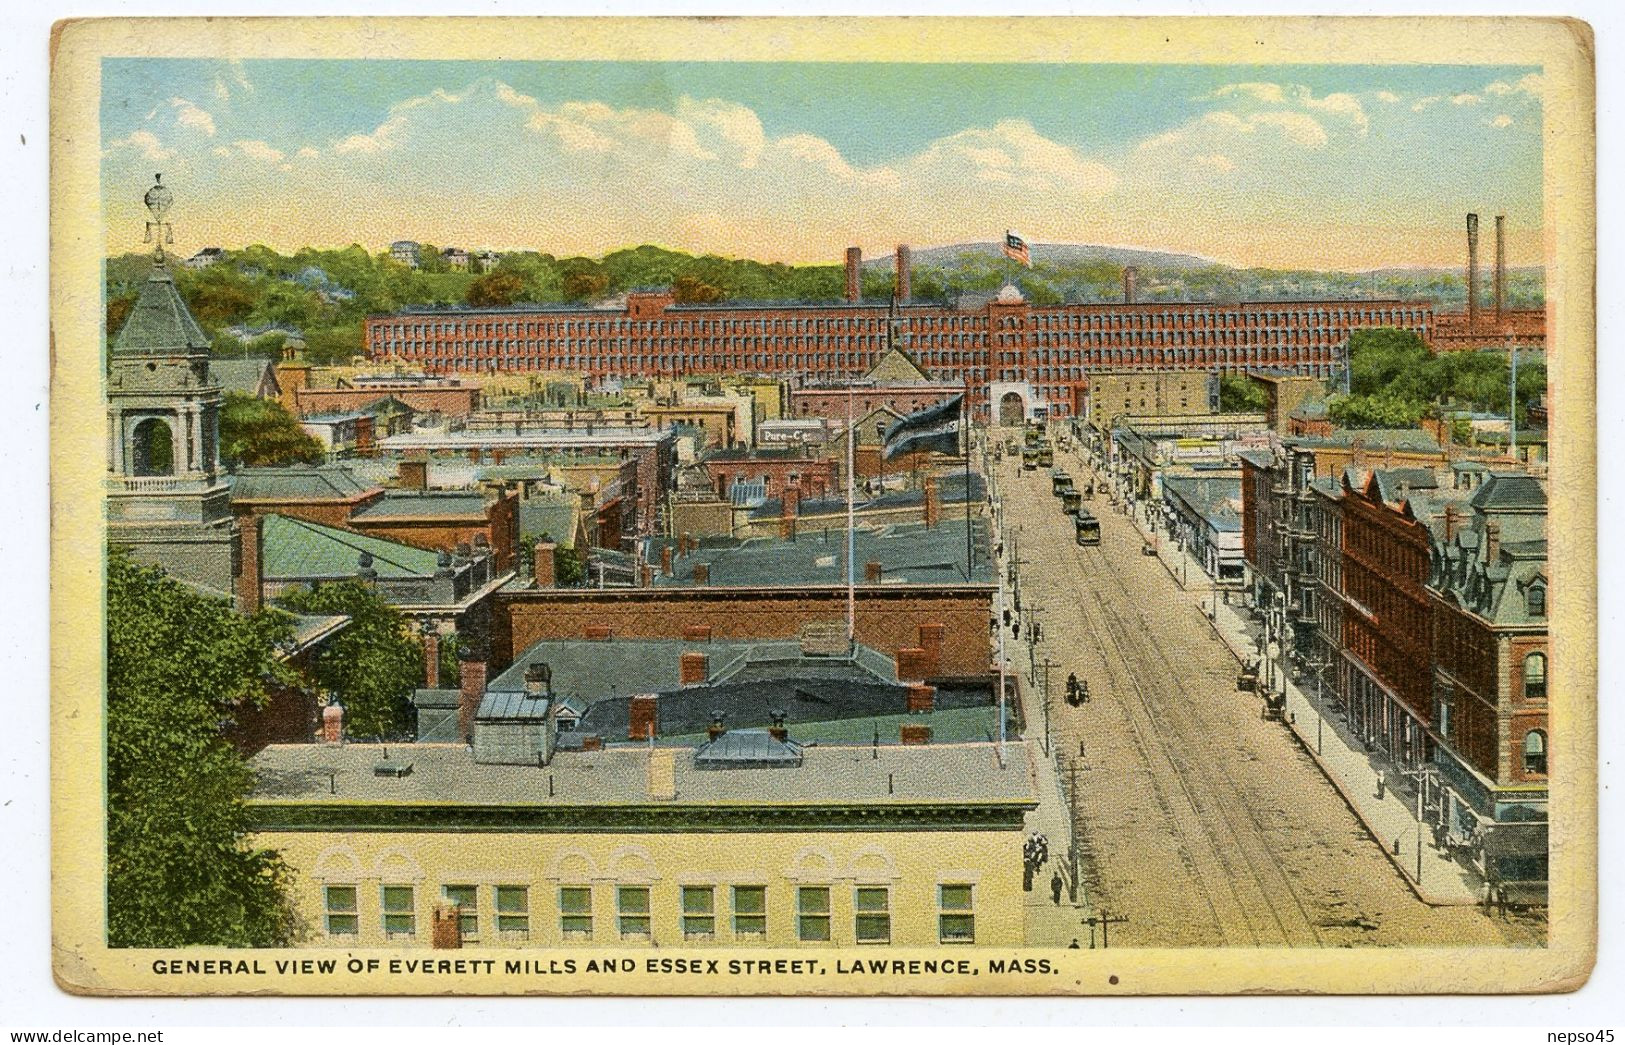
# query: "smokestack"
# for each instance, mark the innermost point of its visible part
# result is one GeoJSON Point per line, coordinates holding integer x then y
{"type": "Point", "coordinates": [854, 274]}
{"type": "Point", "coordinates": [1472, 273]}
{"type": "Point", "coordinates": [904, 266]}
{"type": "Point", "coordinates": [1500, 265]}
{"type": "Point", "coordinates": [251, 569]}
{"type": "Point", "coordinates": [1130, 275]}
{"type": "Point", "coordinates": [472, 679]}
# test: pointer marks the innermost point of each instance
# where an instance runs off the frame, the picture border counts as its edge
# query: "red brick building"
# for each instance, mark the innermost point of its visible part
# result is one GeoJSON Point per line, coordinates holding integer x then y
{"type": "Point", "coordinates": [1454, 331]}
{"type": "Point", "coordinates": [814, 477]}
{"type": "Point", "coordinates": [1052, 348]}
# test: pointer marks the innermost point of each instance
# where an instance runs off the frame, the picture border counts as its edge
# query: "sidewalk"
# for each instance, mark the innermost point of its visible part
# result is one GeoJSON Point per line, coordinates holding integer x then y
{"type": "Point", "coordinates": [1436, 878]}
{"type": "Point", "coordinates": [1047, 924]}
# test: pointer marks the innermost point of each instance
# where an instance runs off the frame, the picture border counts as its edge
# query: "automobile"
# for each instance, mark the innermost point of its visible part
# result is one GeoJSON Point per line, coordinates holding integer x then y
{"type": "Point", "coordinates": [1148, 549]}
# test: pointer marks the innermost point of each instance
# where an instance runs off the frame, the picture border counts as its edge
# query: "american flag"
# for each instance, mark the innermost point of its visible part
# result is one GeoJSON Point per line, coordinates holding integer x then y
{"type": "Point", "coordinates": [1015, 248]}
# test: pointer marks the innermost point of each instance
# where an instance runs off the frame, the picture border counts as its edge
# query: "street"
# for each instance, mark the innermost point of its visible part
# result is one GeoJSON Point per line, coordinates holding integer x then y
{"type": "Point", "coordinates": [1200, 822]}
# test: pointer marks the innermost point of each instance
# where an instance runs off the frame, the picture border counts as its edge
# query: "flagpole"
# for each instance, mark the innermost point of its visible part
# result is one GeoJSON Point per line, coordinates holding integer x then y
{"type": "Point", "coordinates": [851, 551]}
{"type": "Point", "coordinates": [964, 424]}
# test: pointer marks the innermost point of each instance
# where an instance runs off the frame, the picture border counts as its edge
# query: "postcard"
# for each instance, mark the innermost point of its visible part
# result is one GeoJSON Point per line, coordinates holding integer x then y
{"type": "Point", "coordinates": [942, 506]}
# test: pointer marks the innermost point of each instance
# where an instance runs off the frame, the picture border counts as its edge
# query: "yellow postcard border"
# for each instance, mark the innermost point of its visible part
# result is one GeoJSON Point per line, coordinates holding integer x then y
{"type": "Point", "coordinates": [1562, 47]}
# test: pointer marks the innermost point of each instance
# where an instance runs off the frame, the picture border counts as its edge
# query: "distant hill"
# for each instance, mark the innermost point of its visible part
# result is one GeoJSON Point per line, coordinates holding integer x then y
{"type": "Point", "coordinates": [1052, 254]}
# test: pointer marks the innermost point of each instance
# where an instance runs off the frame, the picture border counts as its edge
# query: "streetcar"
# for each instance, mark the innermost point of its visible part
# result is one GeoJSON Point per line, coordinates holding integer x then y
{"type": "Point", "coordinates": [1059, 481]}
{"type": "Point", "coordinates": [1046, 454]}
{"type": "Point", "coordinates": [1029, 459]}
{"type": "Point", "coordinates": [1071, 500]}
{"type": "Point", "coordinates": [1086, 527]}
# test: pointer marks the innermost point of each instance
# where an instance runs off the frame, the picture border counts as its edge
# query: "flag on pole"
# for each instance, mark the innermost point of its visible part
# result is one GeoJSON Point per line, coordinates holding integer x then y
{"type": "Point", "coordinates": [1015, 248]}
{"type": "Point", "coordinates": [934, 428]}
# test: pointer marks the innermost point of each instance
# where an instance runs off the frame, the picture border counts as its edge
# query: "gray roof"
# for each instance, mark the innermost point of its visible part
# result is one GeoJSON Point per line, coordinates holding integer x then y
{"type": "Point", "coordinates": [742, 748]}
{"type": "Point", "coordinates": [242, 375]}
{"type": "Point", "coordinates": [448, 774]}
{"type": "Point", "coordinates": [555, 516]}
{"type": "Point", "coordinates": [511, 707]}
{"type": "Point", "coordinates": [437, 698]}
{"type": "Point", "coordinates": [908, 553]}
{"type": "Point", "coordinates": [412, 504]}
{"type": "Point", "coordinates": [1212, 497]}
{"type": "Point", "coordinates": [298, 483]}
{"type": "Point", "coordinates": [160, 321]}
{"type": "Point", "coordinates": [596, 669]}
{"type": "Point", "coordinates": [1510, 491]}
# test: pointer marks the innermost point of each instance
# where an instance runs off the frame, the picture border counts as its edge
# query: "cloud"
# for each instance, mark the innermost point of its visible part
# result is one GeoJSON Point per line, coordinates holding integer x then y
{"type": "Point", "coordinates": [189, 115]}
{"type": "Point", "coordinates": [1010, 153]}
{"type": "Point", "coordinates": [1533, 85]}
{"type": "Point", "coordinates": [1336, 104]}
{"type": "Point", "coordinates": [1465, 98]}
{"type": "Point", "coordinates": [1502, 120]}
{"type": "Point", "coordinates": [1388, 96]}
{"type": "Point", "coordinates": [307, 153]}
{"type": "Point", "coordinates": [255, 149]}
{"type": "Point", "coordinates": [1425, 103]}
{"type": "Point", "coordinates": [1209, 134]}
{"type": "Point", "coordinates": [143, 143]}
{"type": "Point", "coordinates": [231, 78]}
{"type": "Point", "coordinates": [1215, 161]}
{"type": "Point", "coordinates": [1270, 93]}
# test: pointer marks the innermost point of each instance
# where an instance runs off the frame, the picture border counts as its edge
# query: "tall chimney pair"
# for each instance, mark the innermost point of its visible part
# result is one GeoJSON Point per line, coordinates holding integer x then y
{"type": "Point", "coordinates": [1499, 287]}
{"type": "Point", "coordinates": [902, 267]}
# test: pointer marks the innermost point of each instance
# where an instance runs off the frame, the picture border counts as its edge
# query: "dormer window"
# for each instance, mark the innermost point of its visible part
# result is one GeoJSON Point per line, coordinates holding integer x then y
{"type": "Point", "coordinates": [1536, 600]}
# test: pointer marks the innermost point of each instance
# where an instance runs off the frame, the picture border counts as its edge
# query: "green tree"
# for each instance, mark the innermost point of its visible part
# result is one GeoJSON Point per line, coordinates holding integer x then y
{"type": "Point", "coordinates": [373, 665]}
{"type": "Point", "coordinates": [180, 871]}
{"type": "Point", "coordinates": [1380, 410]}
{"type": "Point", "coordinates": [690, 290]}
{"type": "Point", "coordinates": [495, 289]}
{"type": "Point", "coordinates": [1239, 394]}
{"type": "Point", "coordinates": [255, 432]}
{"type": "Point", "coordinates": [584, 286]}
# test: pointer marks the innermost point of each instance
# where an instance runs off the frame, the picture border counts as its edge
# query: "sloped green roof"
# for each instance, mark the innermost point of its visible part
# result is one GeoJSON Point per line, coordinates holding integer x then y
{"type": "Point", "coordinates": [294, 549]}
{"type": "Point", "coordinates": [1509, 491]}
{"type": "Point", "coordinates": [298, 483]}
{"type": "Point", "coordinates": [160, 321]}
{"type": "Point", "coordinates": [554, 516]}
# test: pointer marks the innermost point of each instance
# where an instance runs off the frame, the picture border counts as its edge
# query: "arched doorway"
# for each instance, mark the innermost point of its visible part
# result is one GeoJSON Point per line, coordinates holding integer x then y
{"type": "Point", "coordinates": [152, 448]}
{"type": "Point", "coordinates": [1011, 409]}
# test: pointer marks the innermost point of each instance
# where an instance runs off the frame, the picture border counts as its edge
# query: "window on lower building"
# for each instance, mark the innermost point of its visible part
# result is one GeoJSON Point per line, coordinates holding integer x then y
{"type": "Point", "coordinates": [632, 911]}
{"type": "Point", "coordinates": [812, 913]}
{"type": "Point", "coordinates": [750, 910]}
{"type": "Point", "coordinates": [955, 921]}
{"type": "Point", "coordinates": [466, 897]}
{"type": "Point", "coordinates": [340, 904]}
{"type": "Point", "coordinates": [575, 912]}
{"type": "Point", "coordinates": [513, 912]}
{"type": "Point", "coordinates": [1534, 752]}
{"type": "Point", "coordinates": [1534, 677]}
{"type": "Point", "coordinates": [699, 912]}
{"type": "Point", "coordinates": [400, 911]}
{"type": "Point", "coordinates": [873, 906]}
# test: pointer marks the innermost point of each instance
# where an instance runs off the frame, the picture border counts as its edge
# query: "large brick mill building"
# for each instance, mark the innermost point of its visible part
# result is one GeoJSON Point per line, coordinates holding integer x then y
{"type": "Point", "coordinates": [1049, 350]}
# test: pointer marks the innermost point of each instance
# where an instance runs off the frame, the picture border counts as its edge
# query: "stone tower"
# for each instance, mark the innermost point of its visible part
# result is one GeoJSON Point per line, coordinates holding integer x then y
{"type": "Point", "coordinates": [167, 501]}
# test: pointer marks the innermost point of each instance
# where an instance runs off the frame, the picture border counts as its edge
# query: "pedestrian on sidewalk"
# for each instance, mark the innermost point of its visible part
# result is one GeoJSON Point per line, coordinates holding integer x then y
{"type": "Point", "coordinates": [1055, 888]}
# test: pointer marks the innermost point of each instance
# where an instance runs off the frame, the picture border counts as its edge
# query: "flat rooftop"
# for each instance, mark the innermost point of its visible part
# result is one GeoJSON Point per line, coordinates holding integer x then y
{"type": "Point", "coordinates": [319, 775]}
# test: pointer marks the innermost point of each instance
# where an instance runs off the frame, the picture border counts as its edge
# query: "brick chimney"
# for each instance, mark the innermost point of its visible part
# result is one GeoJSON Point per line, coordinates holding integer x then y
{"type": "Point", "coordinates": [646, 575]}
{"type": "Point", "coordinates": [716, 728]}
{"type": "Point", "coordinates": [693, 669]}
{"type": "Point", "coordinates": [904, 265]}
{"type": "Point", "coordinates": [778, 730]}
{"type": "Point", "coordinates": [643, 717]}
{"type": "Point", "coordinates": [431, 656]}
{"type": "Point", "coordinates": [702, 573]}
{"type": "Point", "coordinates": [933, 503]}
{"type": "Point", "coordinates": [789, 509]}
{"type": "Point", "coordinates": [914, 733]}
{"type": "Point", "coordinates": [471, 666]}
{"type": "Point", "coordinates": [871, 573]}
{"type": "Point", "coordinates": [250, 568]}
{"type": "Point", "coordinates": [854, 274]}
{"type": "Point", "coordinates": [447, 934]}
{"type": "Point", "coordinates": [1500, 265]}
{"type": "Point", "coordinates": [1492, 541]}
{"type": "Point", "coordinates": [332, 724]}
{"type": "Point", "coordinates": [921, 697]}
{"type": "Point", "coordinates": [1472, 273]}
{"type": "Point", "coordinates": [1451, 521]}
{"type": "Point", "coordinates": [1131, 276]}
{"type": "Point", "coordinates": [665, 560]}
{"type": "Point", "coordinates": [912, 664]}
{"type": "Point", "coordinates": [542, 567]}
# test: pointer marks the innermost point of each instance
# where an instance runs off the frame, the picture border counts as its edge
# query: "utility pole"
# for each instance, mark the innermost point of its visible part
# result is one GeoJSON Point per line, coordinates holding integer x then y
{"type": "Point", "coordinates": [1105, 921]}
{"type": "Point", "coordinates": [1047, 665]}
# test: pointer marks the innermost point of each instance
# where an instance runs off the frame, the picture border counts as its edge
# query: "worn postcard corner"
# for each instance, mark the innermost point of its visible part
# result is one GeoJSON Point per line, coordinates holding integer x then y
{"type": "Point", "coordinates": [1030, 506]}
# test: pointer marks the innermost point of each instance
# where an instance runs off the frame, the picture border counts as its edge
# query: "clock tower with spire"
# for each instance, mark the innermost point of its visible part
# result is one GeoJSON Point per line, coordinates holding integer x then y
{"type": "Point", "coordinates": [167, 500]}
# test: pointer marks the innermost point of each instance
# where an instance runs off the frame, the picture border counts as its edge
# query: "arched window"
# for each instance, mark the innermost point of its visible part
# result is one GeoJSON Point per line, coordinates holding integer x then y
{"type": "Point", "coordinates": [1534, 752]}
{"type": "Point", "coordinates": [1534, 676]}
{"type": "Point", "coordinates": [152, 448]}
{"type": "Point", "coordinates": [1536, 599]}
